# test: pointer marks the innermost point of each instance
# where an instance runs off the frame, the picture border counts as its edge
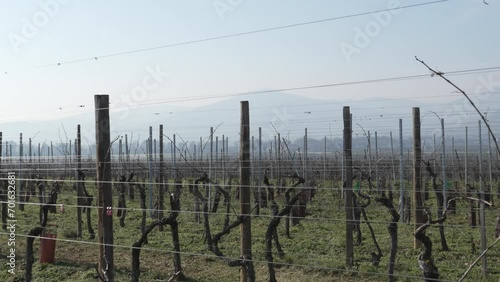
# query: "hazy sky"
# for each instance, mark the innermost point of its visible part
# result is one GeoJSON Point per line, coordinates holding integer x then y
{"type": "Point", "coordinates": [37, 35]}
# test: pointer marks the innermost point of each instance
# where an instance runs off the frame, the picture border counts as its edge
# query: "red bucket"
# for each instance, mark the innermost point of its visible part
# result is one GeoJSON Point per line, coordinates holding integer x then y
{"type": "Point", "coordinates": [48, 244]}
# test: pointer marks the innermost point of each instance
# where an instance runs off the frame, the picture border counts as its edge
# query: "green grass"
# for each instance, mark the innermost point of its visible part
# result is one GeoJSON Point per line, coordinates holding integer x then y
{"type": "Point", "coordinates": [314, 252]}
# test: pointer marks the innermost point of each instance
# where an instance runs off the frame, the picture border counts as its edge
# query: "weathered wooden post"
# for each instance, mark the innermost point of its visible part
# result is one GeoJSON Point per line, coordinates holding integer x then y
{"type": "Point", "coordinates": [247, 274]}
{"type": "Point", "coordinates": [443, 165]}
{"type": "Point", "coordinates": [79, 190]}
{"type": "Point", "coordinates": [103, 166]}
{"type": "Point", "coordinates": [418, 200]}
{"type": "Point", "coordinates": [348, 187]}
{"type": "Point", "coordinates": [150, 174]}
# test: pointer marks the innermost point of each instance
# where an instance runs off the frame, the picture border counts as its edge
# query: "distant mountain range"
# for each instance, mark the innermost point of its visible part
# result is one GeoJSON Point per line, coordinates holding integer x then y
{"type": "Point", "coordinates": [274, 112]}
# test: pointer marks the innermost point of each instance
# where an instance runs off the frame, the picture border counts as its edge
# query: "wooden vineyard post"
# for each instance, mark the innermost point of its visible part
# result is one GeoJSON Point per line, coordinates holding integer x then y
{"type": "Point", "coordinates": [443, 165]}
{"type": "Point", "coordinates": [418, 203]}
{"type": "Point", "coordinates": [259, 169]}
{"type": "Point", "coordinates": [105, 198]}
{"type": "Point", "coordinates": [161, 194]}
{"type": "Point", "coordinates": [348, 187]}
{"type": "Point", "coordinates": [79, 190]}
{"type": "Point", "coordinates": [246, 274]}
{"type": "Point", "coordinates": [4, 198]}
{"type": "Point", "coordinates": [127, 150]}
{"type": "Point", "coordinates": [20, 189]}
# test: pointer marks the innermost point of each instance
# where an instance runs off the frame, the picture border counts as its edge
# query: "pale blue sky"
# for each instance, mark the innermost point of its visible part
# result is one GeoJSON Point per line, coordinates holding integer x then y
{"type": "Point", "coordinates": [452, 35]}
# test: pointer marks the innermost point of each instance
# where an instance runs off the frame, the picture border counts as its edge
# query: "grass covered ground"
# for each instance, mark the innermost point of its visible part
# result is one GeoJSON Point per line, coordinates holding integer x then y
{"type": "Point", "coordinates": [314, 252]}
